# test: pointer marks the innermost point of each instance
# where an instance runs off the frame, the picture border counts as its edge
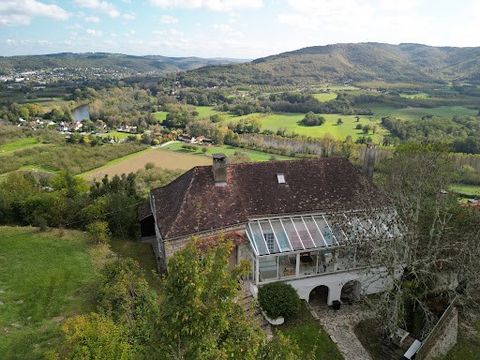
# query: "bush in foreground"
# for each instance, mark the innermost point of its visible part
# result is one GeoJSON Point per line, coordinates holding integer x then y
{"type": "Point", "coordinates": [279, 300]}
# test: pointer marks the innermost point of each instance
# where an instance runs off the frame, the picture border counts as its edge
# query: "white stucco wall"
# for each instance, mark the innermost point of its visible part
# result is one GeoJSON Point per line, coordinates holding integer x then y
{"type": "Point", "coordinates": [371, 282]}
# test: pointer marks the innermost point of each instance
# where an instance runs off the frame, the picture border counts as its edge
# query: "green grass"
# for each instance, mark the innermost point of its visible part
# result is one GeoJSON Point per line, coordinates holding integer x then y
{"type": "Point", "coordinates": [143, 254]}
{"type": "Point", "coordinates": [18, 144]}
{"type": "Point", "coordinates": [43, 276]}
{"type": "Point", "coordinates": [419, 95]}
{"type": "Point", "coordinates": [291, 123]}
{"type": "Point", "coordinates": [117, 134]}
{"type": "Point", "coordinates": [160, 115]}
{"type": "Point", "coordinates": [468, 190]}
{"type": "Point", "coordinates": [466, 348]}
{"type": "Point", "coordinates": [309, 335]}
{"type": "Point", "coordinates": [324, 97]}
{"type": "Point", "coordinates": [225, 149]}
{"type": "Point", "coordinates": [411, 113]}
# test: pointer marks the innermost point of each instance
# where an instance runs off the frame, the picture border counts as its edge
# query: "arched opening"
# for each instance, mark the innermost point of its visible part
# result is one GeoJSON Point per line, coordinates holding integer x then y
{"type": "Point", "coordinates": [351, 292]}
{"type": "Point", "coordinates": [319, 296]}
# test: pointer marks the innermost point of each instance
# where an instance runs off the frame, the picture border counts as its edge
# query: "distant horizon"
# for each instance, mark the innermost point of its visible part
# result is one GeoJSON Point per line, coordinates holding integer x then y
{"type": "Point", "coordinates": [239, 29]}
{"type": "Point", "coordinates": [234, 58]}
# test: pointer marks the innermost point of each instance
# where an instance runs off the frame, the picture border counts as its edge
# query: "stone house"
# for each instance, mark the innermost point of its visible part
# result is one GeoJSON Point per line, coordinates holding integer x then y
{"type": "Point", "coordinates": [294, 221]}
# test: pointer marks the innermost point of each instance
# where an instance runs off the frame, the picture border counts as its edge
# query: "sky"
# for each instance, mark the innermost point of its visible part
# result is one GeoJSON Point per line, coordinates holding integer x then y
{"type": "Point", "coordinates": [243, 29]}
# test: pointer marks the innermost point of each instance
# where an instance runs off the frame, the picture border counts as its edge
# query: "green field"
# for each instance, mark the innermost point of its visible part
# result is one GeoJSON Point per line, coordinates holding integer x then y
{"type": "Point", "coordinates": [18, 144]}
{"type": "Point", "coordinates": [225, 149]}
{"type": "Point", "coordinates": [468, 190]}
{"type": "Point", "coordinates": [160, 115]}
{"type": "Point", "coordinates": [44, 278]}
{"type": "Point", "coordinates": [419, 95]}
{"type": "Point", "coordinates": [411, 113]}
{"type": "Point", "coordinates": [324, 97]}
{"type": "Point", "coordinates": [117, 134]}
{"type": "Point", "coordinates": [291, 123]}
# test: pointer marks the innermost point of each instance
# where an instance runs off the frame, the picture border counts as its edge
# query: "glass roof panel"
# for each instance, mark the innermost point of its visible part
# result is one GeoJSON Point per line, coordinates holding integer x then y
{"type": "Point", "coordinates": [304, 233]}
{"type": "Point", "coordinates": [250, 238]}
{"type": "Point", "coordinates": [292, 234]}
{"type": "Point", "coordinates": [327, 231]}
{"type": "Point", "coordinates": [269, 237]}
{"type": "Point", "coordinates": [281, 235]}
{"type": "Point", "coordinates": [314, 231]}
{"type": "Point", "coordinates": [258, 238]}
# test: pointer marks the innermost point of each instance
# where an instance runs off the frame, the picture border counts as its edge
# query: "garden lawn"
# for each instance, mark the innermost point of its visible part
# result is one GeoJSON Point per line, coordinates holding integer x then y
{"type": "Point", "coordinates": [44, 277]}
{"type": "Point", "coordinates": [291, 123]}
{"type": "Point", "coordinates": [118, 134]}
{"type": "Point", "coordinates": [225, 149]}
{"type": "Point", "coordinates": [310, 336]}
{"type": "Point", "coordinates": [18, 144]}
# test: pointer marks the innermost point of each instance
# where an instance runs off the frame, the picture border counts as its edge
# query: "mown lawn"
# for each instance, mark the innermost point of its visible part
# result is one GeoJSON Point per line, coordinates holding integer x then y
{"type": "Point", "coordinates": [18, 144]}
{"type": "Point", "coordinates": [44, 277]}
{"type": "Point", "coordinates": [310, 336]}
{"type": "Point", "coordinates": [225, 149]}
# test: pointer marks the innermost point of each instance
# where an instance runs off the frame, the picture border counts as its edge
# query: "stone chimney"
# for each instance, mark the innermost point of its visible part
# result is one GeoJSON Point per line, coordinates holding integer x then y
{"type": "Point", "coordinates": [219, 168]}
{"type": "Point", "coordinates": [369, 160]}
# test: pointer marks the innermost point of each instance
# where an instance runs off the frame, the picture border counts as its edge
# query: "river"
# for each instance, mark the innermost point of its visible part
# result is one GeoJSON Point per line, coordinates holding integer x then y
{"type": "Point", "coordinates": [81, 113]}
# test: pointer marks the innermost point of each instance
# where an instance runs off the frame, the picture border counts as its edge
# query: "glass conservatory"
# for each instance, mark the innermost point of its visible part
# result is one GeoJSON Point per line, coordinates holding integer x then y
{"type": "Point", "coordinates": [314, 244]}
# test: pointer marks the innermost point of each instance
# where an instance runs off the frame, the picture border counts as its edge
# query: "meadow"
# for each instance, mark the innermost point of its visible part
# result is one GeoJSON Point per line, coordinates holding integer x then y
{"type": "Point", "coordinates": [290, 122]}
{"type": "Point", "coordinates": [225, 149]}
{"type": "Point", "coordinates": [325, 96]}
{"type": "Point", "coordinates": [416, 113]}
{"type": "Point", "coordinates": [45, 277]}
{"type": "Point", "coordinates": [466, 190]}
{"type": "Point", "coordinates": [75, 158]}
{"type": "Point", "coordinates": [17, 144]}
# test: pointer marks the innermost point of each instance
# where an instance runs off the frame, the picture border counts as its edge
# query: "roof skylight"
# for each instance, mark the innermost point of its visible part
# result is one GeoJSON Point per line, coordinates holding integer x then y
{"type": "Point", "coordinates": [281, 179]}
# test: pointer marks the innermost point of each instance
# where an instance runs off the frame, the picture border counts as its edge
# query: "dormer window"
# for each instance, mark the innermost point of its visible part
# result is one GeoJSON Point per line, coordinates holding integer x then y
{"type": "Point", "coordinates": [281, 179]}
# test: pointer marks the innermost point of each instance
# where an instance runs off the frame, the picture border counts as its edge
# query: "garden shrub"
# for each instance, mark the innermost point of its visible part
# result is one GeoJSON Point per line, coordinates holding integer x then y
{"type": "Point", "coordinates": [279, 299]}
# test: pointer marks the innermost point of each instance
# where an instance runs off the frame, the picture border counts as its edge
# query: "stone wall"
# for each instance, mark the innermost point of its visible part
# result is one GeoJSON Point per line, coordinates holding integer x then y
{"type": "Point", "coordinates": [442, 337]}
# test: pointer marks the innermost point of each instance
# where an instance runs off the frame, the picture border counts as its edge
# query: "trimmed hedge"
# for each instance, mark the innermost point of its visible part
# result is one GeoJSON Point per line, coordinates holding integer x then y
{"type": "Point", "coordinates": [279, 300]}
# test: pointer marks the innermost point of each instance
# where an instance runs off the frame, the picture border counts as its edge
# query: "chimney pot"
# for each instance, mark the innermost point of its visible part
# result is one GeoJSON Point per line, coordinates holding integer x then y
{"type": "Point", "coordinates": [219, 168]}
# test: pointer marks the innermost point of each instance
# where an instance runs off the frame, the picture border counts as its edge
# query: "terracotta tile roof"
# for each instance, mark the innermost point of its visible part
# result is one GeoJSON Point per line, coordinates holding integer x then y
{"type": "Point", "coordinates": [193, 203]}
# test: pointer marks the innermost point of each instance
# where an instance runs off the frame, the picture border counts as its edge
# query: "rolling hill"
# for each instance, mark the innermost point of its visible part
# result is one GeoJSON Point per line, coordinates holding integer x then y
{"type": "Point", "coordinates": [341, 63]}
{"type": "Point", "coordinates": [120, 62]}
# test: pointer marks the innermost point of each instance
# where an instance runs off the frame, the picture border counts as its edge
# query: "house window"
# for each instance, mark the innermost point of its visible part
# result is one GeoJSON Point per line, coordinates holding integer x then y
{"type": "Point", "coordinates": [270, 240]}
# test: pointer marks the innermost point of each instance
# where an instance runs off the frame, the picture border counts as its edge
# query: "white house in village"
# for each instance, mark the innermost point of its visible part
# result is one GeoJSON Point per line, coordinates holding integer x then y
{"type": "Point", "coordinates": [295, 221]}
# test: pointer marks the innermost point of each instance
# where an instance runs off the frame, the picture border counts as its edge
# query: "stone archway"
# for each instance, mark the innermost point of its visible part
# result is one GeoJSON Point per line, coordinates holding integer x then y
{"type": "Point", "coordinates": [319, 295]}
{"type": "Point", "coordinates": [351, 291]}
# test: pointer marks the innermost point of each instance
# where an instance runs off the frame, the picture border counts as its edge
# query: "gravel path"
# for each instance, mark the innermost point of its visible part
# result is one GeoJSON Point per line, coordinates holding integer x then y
{"type": "Point", "coordinates": [340, 324]}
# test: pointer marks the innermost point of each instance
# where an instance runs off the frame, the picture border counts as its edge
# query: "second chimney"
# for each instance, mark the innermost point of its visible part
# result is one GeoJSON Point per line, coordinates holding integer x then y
{"type": "Point", "coordinates": [219, 168]}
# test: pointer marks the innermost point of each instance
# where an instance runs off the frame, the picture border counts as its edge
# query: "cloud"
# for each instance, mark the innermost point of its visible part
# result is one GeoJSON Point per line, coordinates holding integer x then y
{"type": "Point", "coordinates": [92, 19]}
{"type": "Point", "coordinates": [21, 12]}
{"type": "Point", "coordinates": [215, 5]}
{"type": "Point", "coordinates": [93, 32]}
{"type": "Point", "coordinates": [129, 16]}
{"type": "Point", "coordinates": [167, 19]}
{"type": "Point", "coordinates": [103, 6]}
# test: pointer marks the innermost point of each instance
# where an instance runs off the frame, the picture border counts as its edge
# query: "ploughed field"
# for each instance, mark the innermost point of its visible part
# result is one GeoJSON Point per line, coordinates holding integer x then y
{"type": "Point", "coordinates": [161, 158]}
